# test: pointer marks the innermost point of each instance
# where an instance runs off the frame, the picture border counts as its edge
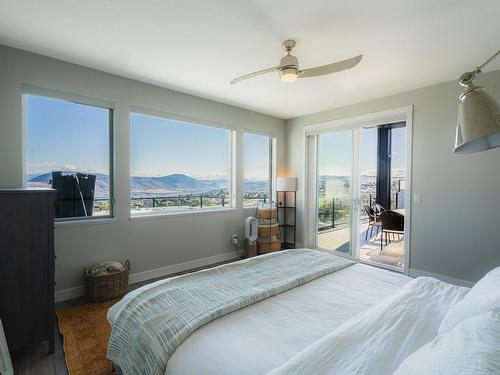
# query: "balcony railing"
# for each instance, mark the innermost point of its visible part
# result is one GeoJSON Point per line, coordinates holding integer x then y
{"type": "Point", "coordinates": [335, 211]}
{"type": "Point", "coordinates": [396, 198]}
{"type": "Point", "coordinates": [190, 201]}
{"type": "Point", "coordinates": [251, 200]}
{"type": "Point", "coordinates": [182, 201]}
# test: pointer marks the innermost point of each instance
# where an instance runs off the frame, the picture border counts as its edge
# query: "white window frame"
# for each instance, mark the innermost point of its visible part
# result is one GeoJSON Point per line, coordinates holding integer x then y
{"type": "Point", "coordinates": [272, 165]}
{"type": "Point", "coordinates": [30, 90]}
{"type": "Point", "coordinates": [197, 122]}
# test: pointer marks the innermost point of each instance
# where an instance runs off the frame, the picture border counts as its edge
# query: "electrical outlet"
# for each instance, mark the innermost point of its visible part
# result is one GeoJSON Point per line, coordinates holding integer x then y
{"type": "Point", "coordinates": [234, 239]}
{"type": "Point", "coordinates": [417, 198]}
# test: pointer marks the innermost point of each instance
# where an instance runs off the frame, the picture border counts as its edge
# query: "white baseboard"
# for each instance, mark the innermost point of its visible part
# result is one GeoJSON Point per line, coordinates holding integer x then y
{"type": "Point", "coordinates": [70, 293]}
{"type": "Point", "coordinates": [168, 270]}
{"type": "Point", "coordinates": [447, 279]}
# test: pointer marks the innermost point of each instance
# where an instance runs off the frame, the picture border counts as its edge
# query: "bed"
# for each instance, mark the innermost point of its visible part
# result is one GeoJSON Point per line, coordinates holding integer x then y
{"type": "Point", "coordinates": [281, 333]}
{"type": "Point", "coordinates": [262, 336]}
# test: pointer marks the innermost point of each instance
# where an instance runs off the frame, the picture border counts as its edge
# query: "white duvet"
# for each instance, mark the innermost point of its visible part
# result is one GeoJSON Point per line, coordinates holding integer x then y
{"type": "Point", "coordinates": [261, 337]}
{"type": "Point", "coordinates": [378, 340]}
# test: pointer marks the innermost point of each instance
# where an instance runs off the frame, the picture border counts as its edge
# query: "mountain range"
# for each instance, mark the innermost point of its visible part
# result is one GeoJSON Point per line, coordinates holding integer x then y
{"type": "Point", "coordinates": [145, 186]}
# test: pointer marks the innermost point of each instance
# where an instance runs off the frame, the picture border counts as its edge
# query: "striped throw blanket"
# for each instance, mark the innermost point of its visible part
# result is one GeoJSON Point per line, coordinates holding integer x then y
{"type": "Point", "coordinates": [150, 323]}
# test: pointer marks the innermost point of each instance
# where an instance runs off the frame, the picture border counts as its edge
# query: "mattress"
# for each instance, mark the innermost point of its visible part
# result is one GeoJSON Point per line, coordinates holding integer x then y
{"type": "Point", "coordinates": [260, 337]}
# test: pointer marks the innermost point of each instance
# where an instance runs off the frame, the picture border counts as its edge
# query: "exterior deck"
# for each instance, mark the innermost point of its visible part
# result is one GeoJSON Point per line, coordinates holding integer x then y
{"type": "Point", "coordinates": [338, 238]}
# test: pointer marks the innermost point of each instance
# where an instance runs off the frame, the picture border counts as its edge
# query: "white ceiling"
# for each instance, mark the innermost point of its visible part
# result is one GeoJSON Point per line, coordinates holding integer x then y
{"type": "Point", "coordinates": [198, 46]}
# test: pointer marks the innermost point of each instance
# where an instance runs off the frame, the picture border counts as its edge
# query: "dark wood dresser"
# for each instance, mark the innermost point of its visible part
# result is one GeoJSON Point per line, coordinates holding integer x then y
{"type": "Point", "coordinates": [27, 266]}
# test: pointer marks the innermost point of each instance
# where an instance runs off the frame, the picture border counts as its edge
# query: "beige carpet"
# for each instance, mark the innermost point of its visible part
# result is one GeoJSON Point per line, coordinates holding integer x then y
{"type": "Point", "coordinates": [85, 331]}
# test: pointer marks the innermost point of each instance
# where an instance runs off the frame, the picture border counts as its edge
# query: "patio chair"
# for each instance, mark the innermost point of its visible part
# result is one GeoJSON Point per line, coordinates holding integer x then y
{"type": "Point", "coordinates": [373, 221]}
{"type": "Point", "coordinates": [392, 223]}
{"type": "Point", "coordinates": [378, 209]}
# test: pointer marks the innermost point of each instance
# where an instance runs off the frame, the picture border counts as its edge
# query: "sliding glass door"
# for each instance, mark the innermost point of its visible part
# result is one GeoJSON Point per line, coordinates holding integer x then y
{"type": "Point", "coordinates": [359, 176]}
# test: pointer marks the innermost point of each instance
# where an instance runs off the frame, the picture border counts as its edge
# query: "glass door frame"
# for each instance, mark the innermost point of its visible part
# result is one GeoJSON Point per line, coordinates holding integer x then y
{"type": "Point", "coordinates": [310, 141]}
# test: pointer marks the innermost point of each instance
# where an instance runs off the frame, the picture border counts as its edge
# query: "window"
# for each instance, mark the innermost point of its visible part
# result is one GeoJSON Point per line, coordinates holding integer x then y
{"type": "Point", "coordinates": [69, 149]}
{"type": "Point", "coordinates": [177, 166]}
{"type": "Point", "coordinates": [257, 169]}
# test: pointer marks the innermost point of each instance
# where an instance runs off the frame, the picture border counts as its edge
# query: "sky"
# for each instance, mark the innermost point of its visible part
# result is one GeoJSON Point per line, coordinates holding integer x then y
{"type": "Point", "coordinates": [335, 152]}
{"type": "Point", "coordinates": [160, 147]}
{"type": "Point", "coordinates": [398, 151]}
{"type": "Point", "coordinates": [256, 157]}
{"type": "Point", "coordinates": [67, 136]}
{"type": "Point", "coordinates": [368, 151]}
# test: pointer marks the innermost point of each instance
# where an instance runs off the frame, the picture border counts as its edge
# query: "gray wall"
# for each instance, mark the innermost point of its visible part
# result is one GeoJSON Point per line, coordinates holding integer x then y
{"type": "Point", "coordinates": [455, 231]}
{"type": "Point", "coordinates": [150, 243]}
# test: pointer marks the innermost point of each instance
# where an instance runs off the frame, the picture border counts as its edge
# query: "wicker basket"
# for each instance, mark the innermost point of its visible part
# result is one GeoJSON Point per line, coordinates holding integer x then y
{"type": "Point", "coordinates": [267, 245]}
{"type": "Point", "coordinates": [267, 221]}
{"type": "Point", "coordinates": [105, 287]}
{"type": "Point", "coordinates": [251, 249]}
{"type": "Point", "coordinates": [268, 230]}
{"type": "Point", "coordinates": [267, 212]}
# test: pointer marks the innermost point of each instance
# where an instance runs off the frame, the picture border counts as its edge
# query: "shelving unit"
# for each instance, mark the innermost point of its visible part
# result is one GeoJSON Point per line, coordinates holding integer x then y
{"type": "Point", "coordinates": [288, 216]}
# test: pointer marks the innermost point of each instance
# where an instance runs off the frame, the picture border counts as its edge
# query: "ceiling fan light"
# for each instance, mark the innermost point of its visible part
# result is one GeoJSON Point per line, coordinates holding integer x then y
{"type": "Point", "coordinates": [289, 74]}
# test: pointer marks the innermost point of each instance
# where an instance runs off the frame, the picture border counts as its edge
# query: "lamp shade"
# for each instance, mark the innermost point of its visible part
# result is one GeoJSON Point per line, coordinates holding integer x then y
{"type": "Point", "coordinates": [478, 125]}
{"type": "Point", "coordinates": [286, 184]}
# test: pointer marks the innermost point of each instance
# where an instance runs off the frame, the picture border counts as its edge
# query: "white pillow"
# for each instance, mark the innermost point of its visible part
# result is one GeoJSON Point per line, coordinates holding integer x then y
{"type": "Point", "coordinates": [471, 348]}
{"type": "Point", "coordinates": [484, 296]}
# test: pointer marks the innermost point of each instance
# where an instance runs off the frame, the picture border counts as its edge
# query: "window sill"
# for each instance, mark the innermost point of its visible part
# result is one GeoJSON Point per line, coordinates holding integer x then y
{"type": "Point", "coordinates": [164, 215]}
{"type": "Point", "coordinates": [80, 222]}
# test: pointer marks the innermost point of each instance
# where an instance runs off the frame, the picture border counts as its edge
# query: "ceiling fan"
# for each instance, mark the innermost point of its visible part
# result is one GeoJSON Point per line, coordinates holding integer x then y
{"type": "Point", "coordinates": [289, 66]}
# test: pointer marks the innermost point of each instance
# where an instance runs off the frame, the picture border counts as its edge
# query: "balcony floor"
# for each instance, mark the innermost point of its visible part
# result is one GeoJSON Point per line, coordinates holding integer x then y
{"type": "Point", "coordinates": [391, 254]}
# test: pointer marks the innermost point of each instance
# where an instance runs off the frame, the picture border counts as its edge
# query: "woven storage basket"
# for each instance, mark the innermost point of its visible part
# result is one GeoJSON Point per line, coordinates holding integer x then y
{"type": "Point", "coordinates": [269, 245]}
{"type": "Point", "coordinates": [268, 230]}
{"type": "Point", "coordinates": [105, 287]}
{"type": "Point", "coordinates": [267, 212]}
{"type": "Point", "coordinates": [267, 221]}
{"type": "Point", "coordinates": [251, 249]}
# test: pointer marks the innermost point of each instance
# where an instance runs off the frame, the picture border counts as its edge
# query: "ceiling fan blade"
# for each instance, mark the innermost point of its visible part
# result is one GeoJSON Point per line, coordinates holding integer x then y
{"type": "Point", "coordinates": [254, 74]}
{"type": "Point", "coordinates": [330, 68]}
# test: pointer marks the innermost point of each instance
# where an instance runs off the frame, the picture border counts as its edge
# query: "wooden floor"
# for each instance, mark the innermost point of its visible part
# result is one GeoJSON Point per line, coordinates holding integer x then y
{"type": "Point", "coordinates": [35, 360]}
